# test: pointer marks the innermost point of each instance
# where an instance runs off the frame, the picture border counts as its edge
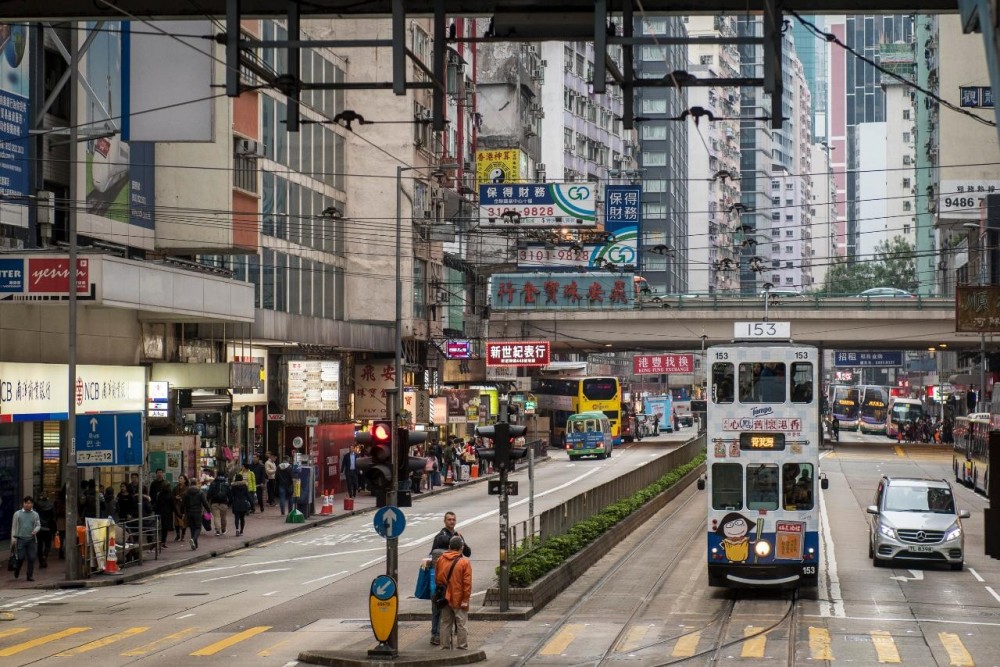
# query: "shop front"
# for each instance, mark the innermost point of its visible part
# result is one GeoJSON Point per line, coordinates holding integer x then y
{"type": "Point", "coordinates": [34, 406]}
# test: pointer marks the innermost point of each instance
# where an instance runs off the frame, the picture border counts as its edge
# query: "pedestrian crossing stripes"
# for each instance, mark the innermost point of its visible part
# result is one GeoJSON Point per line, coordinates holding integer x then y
{"type": "Point", "coordinates": [39, 641]}
{"type": "Point", "coordinates": [212, 649]}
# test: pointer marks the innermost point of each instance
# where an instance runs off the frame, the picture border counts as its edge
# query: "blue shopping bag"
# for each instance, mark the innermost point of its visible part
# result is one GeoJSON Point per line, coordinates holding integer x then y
{"type": "Point", "coordinates": [425, 583]}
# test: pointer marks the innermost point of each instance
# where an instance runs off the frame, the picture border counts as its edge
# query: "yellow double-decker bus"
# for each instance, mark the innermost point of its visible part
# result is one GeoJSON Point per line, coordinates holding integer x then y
{"type": "Point", "coordinates": [564, 396]}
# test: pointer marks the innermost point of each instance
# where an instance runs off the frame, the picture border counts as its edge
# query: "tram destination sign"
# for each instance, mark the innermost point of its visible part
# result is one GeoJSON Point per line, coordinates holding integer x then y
{"type": "Point", "coordinates": [853, 359]}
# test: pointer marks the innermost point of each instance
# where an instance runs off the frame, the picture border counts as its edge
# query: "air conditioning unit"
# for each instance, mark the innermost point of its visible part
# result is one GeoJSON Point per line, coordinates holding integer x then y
{"type": "Point", "coordinates": [247, 147]}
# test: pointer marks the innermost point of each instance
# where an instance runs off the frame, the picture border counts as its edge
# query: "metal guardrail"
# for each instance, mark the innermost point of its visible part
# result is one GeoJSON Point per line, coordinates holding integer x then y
{"type": "Point", "coordinates": [558, 520]}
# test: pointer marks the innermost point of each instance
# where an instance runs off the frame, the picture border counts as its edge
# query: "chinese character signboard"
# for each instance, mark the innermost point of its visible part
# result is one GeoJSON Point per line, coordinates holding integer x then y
{"type": "Point", "coordinates": [962, 199]}
{"type": "Point", "coordinates": [538, 205]}
{"type": "Point", "coordinates": [372, 379]}
{"type": "Point", "coordinates": [560, 291]}
{"type": "Point", "coordinates": [976, 96]}
{"type": "Point", "coordinates": [498, 165]}
{"type": "Point", "coordinates": [458, 349]}
{"type": "Point", "coordinates": [977, 309]}
{"type": "Point", "coordinates": [313, 385]}
{"type": "Point", "coordinates": [871, 359]}
{"type": "Point", "coordinates": [652, 364]}
{"type": "Point", "coordinates": [518, 353]}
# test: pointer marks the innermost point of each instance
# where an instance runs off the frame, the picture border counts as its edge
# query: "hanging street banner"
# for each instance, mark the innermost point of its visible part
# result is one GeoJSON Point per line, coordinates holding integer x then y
{"type": "Point", "coordinates": [853, 359]}
{"type": "Point", "coordinates": [538, 205]}
{"type": "Point", "coordinates": [655, 364]}
{"type": "Point", "coordinates": [518, 353]}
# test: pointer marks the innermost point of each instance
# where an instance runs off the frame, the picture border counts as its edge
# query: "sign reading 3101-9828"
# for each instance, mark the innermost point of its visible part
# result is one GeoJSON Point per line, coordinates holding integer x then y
{"type": "Point", "coordinates": [537, 205]}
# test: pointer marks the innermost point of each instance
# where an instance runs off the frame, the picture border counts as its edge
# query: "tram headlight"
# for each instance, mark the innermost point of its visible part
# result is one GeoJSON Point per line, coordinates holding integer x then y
{"type": "Point", "coordinates": [953, 533]}
{"type": "Point", "coordinates": [887, 531]}
{"type": "Point", "coordinates": [762, 548]}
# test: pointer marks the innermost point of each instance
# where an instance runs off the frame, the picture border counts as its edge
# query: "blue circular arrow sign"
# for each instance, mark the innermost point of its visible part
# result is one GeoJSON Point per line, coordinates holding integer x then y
{"type": "Point", "coordinates": [389, 522]}
{"type": "Point", "coordinates": [383, 587]}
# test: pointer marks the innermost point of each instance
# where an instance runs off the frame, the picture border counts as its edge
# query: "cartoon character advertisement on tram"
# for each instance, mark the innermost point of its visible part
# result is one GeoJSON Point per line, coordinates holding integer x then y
{"type": "Point", "coordinates": [734, 533]}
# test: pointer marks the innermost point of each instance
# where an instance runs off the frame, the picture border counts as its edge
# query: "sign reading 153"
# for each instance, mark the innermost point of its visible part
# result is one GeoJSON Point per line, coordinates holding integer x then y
{"type": "Point", "coordinates": [765, 330]}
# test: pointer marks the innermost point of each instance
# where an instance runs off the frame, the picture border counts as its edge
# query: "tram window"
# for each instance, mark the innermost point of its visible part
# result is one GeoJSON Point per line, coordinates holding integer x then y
{"type": "Point", "coordinates": [797, 486]}
{"type": "Point", "coordinates": [802, 388]}
{"type": "Point", "coordinates": [762, 486]}
{"type": "Point", "coordinates": [727, 486]}
{"type": "Point", "coordinates": [762, 383]}
{"type": "Point", "coordinates": [722, 383]}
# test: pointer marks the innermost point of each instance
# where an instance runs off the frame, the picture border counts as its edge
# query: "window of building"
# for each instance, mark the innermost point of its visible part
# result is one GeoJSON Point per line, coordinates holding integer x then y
{"type": "Point", "coordinates": [906, 114]}
{"type": "Point", "coordinates": [906, 137]}
{"type": "Point", "coordinates": [906, 183]}
{"type": "Point", "coordinates": [267, 280]}
{"type": "Point", "coordinates": [707, 59]}
{"type": "Point", "coordinates": [775, 186]}
{"type": "Point", "coordinates": [654, 158]}
{"type": "Point", "coordinates": [788, 279]}
{"type": "Point", "coordinates": [907, 205]}
{"type": "Point", "coordinates": [267, 204]}
{"type": "Point", "coordinates": [654, 132]}
{"type": "Point", "coordinates": [790, 217]}
{"type": "Point", "coordinates": [775, 263]}
{"type": "Point", "coordinates": [567, 138]}
{"type": "Point", "coordinates": [654, 105]}
{"type": "Point", "coordinates": [776, 247]}
{"type": "Point", "coordinates": [280, 207]}
{"type": "Point", "coordinates": [281, 282]}
{"type": "Point", "coordinates": [776, 201]}
{"type": "Point", "coordinates": [789, 233]}
{"type": "Point", "coordinates": [776, 232]}
{"type": "Point", "coordinates": [581, 65]}
{"type": "Point", "coordinates": [789, 186]}
{"type": "Point", "coordinates": [419, 288]}
{"type": "Point", "coordinates": [294, 285]}
{"type": "Point", "coordinates": [789, 202]}
{"type": "Point", "coordinates": [654, 212]}
{"type": "Point", "coordinates": [776, 278]}
{"type": "Point", "coordinates": [776, 216]}
{"type": "Point", "coordinates": [906, 229]}
{"type": "Point", "coordinates": [789, 248]}
{"type": "Point", "coordinates": [788, 265]}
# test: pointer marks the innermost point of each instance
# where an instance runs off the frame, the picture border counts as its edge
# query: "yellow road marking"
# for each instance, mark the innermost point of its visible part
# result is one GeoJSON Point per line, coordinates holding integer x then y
{"type": "Point", "coordinates": [12, 631]}
{"type": "Point", "coordinates": [634, 638]}
{"type": "Point", "coordinates": [163, 641]}
{"type": "Point", "coordinates": [17, 648]}
{"type": "Point", "coordinates": [270, 649]}
{"type": "Point", "coordinates": [212, 649]}
{"type": "Point", "coordinates": [899, 451]}
{"type": "Point", "coordinates": [819, 644]}
{"type": "Point", "coordinates": [686, 646]}
{"type": "Point", "coordinates": [956, 650]}
{"type": "Point", "coordinates": [562, 640]}
{"type": "Point", "coordinates": [754, 647]}
{"type": "Point", "coordinates": [885, 646]}
{"type": "Point", "coordinates": [104, 641]}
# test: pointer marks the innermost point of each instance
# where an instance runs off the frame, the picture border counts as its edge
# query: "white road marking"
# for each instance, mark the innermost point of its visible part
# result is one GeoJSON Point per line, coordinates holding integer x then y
{"type": "Point", "coordinates": [993, 593]}
{"type": "Point", "coordinates": [976, 575]}
{"type": "Point", "coordinates": [335, 574]}
{"type": "Point", "coordinates": [832, 576]}
{"type": "Point", "coordinates": [243, 574]}
{"type": "Point", "coordinates": [913, 619]}
{"type": "Point", "coordinates": [269, 594]}
{"type": "Point", "coordinates": [184, 616]}
{"type": "Point", "coordinates": [372, 562]}
{"type": "Point", "coordinates": [917, 576]}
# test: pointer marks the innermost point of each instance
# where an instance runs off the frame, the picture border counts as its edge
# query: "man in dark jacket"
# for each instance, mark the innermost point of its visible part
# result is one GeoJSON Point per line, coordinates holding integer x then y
{"type": "Point", "coordinates": [349, 464]}
{"type": "Point", "coordinates": [284, 481]}
{"type": "Point", "coordinates": [195, 505]}
{"type": "Point", "coordinates": [220, 498]}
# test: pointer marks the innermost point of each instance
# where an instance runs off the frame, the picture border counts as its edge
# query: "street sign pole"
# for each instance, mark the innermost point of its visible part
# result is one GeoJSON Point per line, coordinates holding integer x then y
{"type": "Point", "coordinates": [504, 534]}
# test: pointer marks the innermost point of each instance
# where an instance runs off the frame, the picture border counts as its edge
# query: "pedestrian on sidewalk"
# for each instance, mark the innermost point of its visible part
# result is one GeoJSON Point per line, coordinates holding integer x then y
{"type": "Point", "coordinates": [260, 475]}
{"type": "Point", "coordinates": [25, 526]}
{"type": "Point", "coordinates": [251, 482]}
{"type": "Point", "coordinates": [220, 497]}
{"type": "Point", "coordinates": [440, 544]}
{"type": "Point", "coordinates": [165, 509]}
{"type": "Point", "coordinates": [283, 479]}
{"type": "Point", "coordinates": [349, 464]}
{"type": "Point", "coordinates": [47, 513]}
{"type": "Point", "coordinates": [454, 573]}
{"type": "Point", "coordinates": [241, 502]}
{"type": "Point", "coordinates": [195, 506]}
{"type": "Point", "coordinates": [180, 521]}
{"type": "Point", "coordinates": [271, 470]}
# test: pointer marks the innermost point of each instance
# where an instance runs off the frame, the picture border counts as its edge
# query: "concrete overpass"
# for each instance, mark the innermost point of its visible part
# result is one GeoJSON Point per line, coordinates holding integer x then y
{"type": "Point", "coordinates": [679, 323]}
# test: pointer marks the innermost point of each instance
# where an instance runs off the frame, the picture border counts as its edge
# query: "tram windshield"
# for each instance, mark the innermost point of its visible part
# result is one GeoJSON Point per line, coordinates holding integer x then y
{"type": "Point", "coordinates": [762, 486]}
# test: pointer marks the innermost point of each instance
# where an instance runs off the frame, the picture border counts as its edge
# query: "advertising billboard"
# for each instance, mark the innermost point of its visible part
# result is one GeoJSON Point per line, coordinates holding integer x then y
{"type": "Point", "coordinates": [118, 178]}
{"type": "Point", "coordinates": [538, 205]}
{"type": "Point", "coordinates": [498, 165]}
{"type": "Point", "coordinates": [653, 364]}
{"type": "Point", "coordinates": [45, 278]}
{"type": "Point", "coordinates": [14, 112]}
{"type": "Point", "coordinates": [518, 353]}
{"type": "Point", "coordinates": [372, 381]}
{"type": "Point", "coordinates": [313, 385]}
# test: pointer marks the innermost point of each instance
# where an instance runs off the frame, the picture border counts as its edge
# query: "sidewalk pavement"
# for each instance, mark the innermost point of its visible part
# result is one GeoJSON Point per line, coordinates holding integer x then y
{"type": "Point", "coordinates": [259, 528]}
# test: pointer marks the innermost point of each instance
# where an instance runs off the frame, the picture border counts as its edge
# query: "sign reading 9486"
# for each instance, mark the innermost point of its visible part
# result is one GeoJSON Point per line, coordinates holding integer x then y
{"type": "Point", "coordinates": [537, 205]}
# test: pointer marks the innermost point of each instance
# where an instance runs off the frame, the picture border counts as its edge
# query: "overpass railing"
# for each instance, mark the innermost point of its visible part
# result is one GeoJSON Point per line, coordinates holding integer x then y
{"type": "Point", "coordinates": [804, 302]}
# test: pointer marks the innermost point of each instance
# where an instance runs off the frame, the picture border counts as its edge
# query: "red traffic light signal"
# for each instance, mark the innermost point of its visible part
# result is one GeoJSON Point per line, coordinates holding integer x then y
{"type": "Point", "coordinates": [381, 433]}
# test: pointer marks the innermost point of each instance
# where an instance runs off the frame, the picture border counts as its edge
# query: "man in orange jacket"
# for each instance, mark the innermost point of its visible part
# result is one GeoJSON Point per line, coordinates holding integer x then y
{"type": "Point", "coordinates": [454, 573]}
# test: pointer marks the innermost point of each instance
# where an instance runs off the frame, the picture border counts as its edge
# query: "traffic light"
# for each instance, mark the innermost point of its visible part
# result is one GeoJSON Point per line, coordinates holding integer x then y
{"type": "Point", "coordinates": [504, 453]}
{"type": "Point", "coordinates": [405, 464]}
{"type": "Point", "coordinates": [378, 468]}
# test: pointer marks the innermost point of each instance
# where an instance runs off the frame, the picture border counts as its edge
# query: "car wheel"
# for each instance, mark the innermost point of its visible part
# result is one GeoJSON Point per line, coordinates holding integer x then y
{"type": "Point", "coordinates": [871, 548]}
{"type": "Point", "coordinates": [957, 567]}
{"type": "Point", "coordinates": [878, 562]}
{"type": "Point", "coordinates": [601, 457]}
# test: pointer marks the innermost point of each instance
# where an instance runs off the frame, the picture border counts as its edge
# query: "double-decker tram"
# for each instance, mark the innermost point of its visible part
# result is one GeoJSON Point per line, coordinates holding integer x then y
{"type": "Point", "coordinates": [764, 435]}
{"type": "Point", "coordinates": [970, 459]}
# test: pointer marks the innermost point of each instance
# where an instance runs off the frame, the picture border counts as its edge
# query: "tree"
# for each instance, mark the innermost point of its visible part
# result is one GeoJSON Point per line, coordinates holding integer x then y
{"type": "Point", "coordinates": [893, 265]}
